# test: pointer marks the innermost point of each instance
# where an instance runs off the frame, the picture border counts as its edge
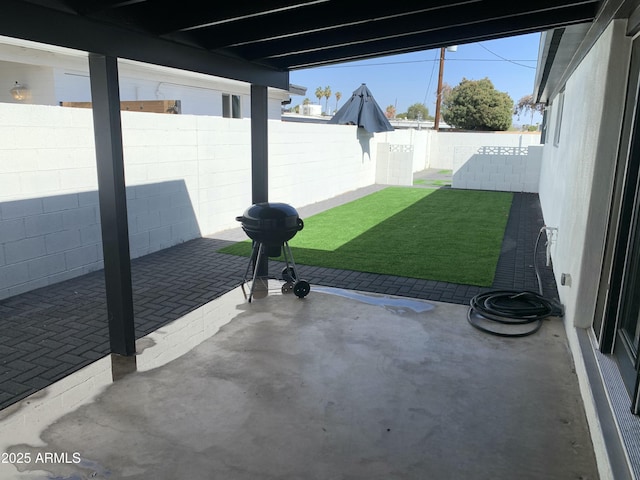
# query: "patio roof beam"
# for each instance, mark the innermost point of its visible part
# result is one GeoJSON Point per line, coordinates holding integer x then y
{"type": "Point", "coordinates": [202, 16]}
{"type": "Point", "coordinates": [488, 30]}
{"type": "Point", "coordinates": [314, 20]}
{"type": "Point", "coordinates": [113, 202]}
{"type": "Point", "coordinates": [388, 26]}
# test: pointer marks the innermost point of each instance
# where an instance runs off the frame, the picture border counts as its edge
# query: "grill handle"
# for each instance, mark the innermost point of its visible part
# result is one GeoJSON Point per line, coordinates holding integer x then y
{"type": "Point", "coordinates": [300, 224]}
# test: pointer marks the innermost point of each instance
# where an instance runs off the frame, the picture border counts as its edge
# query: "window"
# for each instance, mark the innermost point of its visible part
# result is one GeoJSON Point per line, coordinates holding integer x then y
{"type": "Point", "coordinates": [560, 106]}
{"type": "Point", "coordinates": [231, 106]}
{"type": "Point", "coordinates": [543, 127]}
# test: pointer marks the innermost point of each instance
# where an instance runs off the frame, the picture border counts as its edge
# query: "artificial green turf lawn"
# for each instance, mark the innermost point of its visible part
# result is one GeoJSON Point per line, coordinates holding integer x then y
{"type": "Point", "coordinates": [432, 183]}
{"type": "Point", "coordinates": [436, 234]}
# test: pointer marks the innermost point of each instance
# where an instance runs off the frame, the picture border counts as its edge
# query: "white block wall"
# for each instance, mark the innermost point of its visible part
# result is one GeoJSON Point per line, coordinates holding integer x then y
{"type": "Point", "coordinates": [419, 141]}
{"type": "Point", "coordinates": [449, 150]}
{"type": "Point", "coordinates": [508, 169]}
{"type": "Point", "coordinates": [445, 146]}
{"type": "Point", "coordinates": [48, 223]}
{"type": "Point", "coordinates": [186, 176]}
{"type": "Point", "coordinates": [312, 162]}
{"type": "Point", "coordinates": [394, 164]}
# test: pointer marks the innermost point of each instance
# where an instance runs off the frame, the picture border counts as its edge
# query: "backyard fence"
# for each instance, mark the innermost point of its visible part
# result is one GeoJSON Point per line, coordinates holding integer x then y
{"type": "Point", "coordinates": [510, 169]}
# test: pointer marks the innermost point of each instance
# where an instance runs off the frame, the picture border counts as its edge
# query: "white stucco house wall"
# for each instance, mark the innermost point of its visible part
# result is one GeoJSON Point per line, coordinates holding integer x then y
{"type": "Point", "coordinates": [588, 77]}
{"type": "Point", "coordinates": [54, 75]}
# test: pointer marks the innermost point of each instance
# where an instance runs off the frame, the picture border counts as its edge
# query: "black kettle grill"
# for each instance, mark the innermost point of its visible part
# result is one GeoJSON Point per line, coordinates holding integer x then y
{"type": "Point", "coordinates": [271, 226]}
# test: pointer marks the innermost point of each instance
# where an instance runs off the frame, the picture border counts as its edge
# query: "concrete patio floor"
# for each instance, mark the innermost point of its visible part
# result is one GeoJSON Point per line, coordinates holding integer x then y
{"type": "Point", "coordinates": [338, 385]}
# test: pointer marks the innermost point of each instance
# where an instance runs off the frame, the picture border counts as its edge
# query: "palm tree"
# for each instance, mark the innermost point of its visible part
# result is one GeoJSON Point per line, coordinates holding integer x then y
{"type": "Point", "coordinates": [327, 95]}
{"type": "Point", "coordinates": [319, 93]}
{"type": "Point", "coordinates": [338, 97]}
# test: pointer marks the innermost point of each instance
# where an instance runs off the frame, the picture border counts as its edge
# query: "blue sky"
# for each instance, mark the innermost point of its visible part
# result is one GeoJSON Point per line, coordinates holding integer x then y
{"type": "Point", "coordinates": [403, 80]}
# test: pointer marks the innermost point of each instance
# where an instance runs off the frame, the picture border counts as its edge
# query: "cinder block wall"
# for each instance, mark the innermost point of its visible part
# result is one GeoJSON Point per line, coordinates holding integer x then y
{"type": "Point", "coordinates": [312, 162]}
{"type": "Point", "coordinates": [48, 220]}
{"type": "Point", "coordinates": [416, 142]}
{"type": "Point", "coordinates": [445, 146]}
{"type": "Point", "coordinates": [187, 176]}
{"type": "Point", "coordinates": [509, 169]}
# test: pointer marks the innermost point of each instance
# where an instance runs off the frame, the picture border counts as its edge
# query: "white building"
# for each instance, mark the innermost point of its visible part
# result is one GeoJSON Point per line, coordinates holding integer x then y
{"type": "Point", "coordinates": [54, 75]}
{"type": "Point", "coordinates": [589, 77]}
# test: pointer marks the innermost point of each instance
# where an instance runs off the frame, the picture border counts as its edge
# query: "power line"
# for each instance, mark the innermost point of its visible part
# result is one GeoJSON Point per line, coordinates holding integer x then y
{"type": "Point", "coordinates": [434, 61]}
{"type": "Point", "coordinates": [433, 67]}
{"type": "Point", "coordinates": [450, 59]}
{"type": "Point", "coordinates": [515, 62]}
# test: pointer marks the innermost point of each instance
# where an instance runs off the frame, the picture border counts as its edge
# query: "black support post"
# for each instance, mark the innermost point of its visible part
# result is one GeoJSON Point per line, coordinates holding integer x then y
{"type": "Point", "coordinates": [259, 144]}
{"type": "Point", "coordinates": [105, 98]}
{"type": "Point", "coordinates": [260, 159]}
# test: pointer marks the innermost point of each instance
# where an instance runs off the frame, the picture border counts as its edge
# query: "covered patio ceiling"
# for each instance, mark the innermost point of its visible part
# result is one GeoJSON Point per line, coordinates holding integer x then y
{"type": "Point", "coordinates": [244, 39]}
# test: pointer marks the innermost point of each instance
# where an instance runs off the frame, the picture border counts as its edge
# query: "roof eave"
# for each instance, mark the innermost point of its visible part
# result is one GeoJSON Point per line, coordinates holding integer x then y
{"type": "Point", "coordinates": [557, 50]}
{"type": "Point", "coordinates": [559, 57]}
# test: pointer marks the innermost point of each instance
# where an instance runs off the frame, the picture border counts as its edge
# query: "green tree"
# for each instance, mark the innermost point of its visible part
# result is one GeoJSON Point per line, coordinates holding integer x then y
{"type": "Point", "coordinates": [390, 112]}
{"type": "Point", "coordinates": [319, 93]}
{"type": "Point", "coordinates": [477, 105]}
{"type": "Point", "coordinates": [418, 111]}
{"type": "Point", "coordinates": [338, 97]}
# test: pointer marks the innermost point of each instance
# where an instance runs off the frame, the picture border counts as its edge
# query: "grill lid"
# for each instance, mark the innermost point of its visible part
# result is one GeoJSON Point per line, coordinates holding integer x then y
{"type": "Point", "coordinates": [271, 222]}
{"type": "Point", "coordinates": [269, 216]}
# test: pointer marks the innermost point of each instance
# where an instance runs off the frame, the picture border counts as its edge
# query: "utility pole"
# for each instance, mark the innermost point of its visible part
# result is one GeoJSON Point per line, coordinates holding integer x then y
{"type": "Point", "coordinates": [436, 123]}
{"type": "Point", "coordinates": [452, 48]}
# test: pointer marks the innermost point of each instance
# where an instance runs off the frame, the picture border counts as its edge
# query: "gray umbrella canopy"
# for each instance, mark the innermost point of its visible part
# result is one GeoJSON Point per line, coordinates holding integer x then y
{"type": "Point", "coordinates": [362, 110]}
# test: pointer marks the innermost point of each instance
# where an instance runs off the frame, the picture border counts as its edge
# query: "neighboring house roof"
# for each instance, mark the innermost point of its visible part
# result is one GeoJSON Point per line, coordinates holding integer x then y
{"type": "Point", "coordinates": [297, 90]}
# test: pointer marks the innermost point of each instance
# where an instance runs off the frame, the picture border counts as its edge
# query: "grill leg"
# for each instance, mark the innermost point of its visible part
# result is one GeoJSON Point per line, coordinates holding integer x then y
{"type": "Point", "coordinates": [252, 259]}
{"type": "Point", "coordinates": [301, 288]}
{"type": "Point", "coordinates": [291, 266]}
{"type": "Point", "coordinates": [256, 267]}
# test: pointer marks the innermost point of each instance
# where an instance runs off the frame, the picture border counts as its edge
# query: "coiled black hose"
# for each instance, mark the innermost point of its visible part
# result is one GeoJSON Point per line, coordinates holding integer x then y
{"type": "Point", "coordinates": [512, 307]}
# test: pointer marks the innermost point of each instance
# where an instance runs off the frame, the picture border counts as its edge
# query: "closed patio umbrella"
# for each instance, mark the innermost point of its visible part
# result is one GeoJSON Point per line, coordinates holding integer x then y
{"type": "Point", "coordinates": [362, 110]}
